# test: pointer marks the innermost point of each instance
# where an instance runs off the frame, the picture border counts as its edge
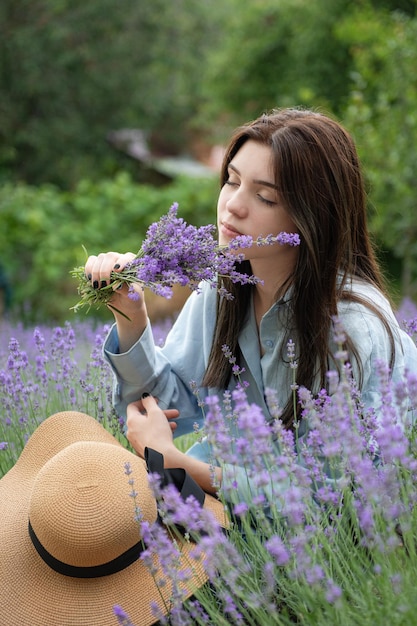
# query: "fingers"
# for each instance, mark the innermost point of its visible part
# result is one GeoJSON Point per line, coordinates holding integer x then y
{"type": "Point", "coordinates": [149, 404]}
{"type": "Point", "coordinates": [98, 268]}
{"type": "Point", "coordinates": [149, 426]}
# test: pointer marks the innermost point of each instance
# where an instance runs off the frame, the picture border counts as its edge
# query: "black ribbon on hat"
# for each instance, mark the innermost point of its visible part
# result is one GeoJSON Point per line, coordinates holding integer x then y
{"type": "Point", "coordinates": [155, 464]}
{"type": "Point", "coordinates": [94, 571]}
{"type": "Point", "coordinates": [177, 476]}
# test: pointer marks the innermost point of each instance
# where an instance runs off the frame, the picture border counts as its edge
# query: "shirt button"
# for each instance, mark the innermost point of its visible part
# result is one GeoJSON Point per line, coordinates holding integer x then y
{"type": "Point", "coordinates": [269, 343]}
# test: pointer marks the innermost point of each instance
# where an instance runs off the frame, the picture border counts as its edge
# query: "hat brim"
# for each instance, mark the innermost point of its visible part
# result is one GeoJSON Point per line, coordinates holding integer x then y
{"type": "Point", "coordinates": [33, 593]}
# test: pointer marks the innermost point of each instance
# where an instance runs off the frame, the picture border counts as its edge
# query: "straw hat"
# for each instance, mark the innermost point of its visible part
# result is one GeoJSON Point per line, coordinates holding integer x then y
{"type": "Point", "coordinates": [69, 538]}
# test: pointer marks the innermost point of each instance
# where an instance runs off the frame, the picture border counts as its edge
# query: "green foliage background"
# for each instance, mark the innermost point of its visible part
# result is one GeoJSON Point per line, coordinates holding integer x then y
{"type": "Point", "coordinates": [186, 73]}
{"type": "Point", "coordinates": [45, 229]}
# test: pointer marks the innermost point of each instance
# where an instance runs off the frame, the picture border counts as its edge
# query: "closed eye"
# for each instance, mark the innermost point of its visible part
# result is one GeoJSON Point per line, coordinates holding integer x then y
{"type": "Point", "coordinates": [267, 202]}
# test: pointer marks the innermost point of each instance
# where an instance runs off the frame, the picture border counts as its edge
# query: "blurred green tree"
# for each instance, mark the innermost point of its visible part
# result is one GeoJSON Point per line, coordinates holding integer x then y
{"type": "Point", "coordinates": [70, 71]}
{"type": "Point", "coordinates": [278, 54]}
{"type": "Point", "coordinates": [382, 113]}
{"type": "Point", "coordinates": [284, 53]}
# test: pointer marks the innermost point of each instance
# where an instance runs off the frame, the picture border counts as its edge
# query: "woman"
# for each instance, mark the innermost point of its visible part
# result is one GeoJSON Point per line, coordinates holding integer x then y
{"type": "Point", "coordinates": [296, 171]}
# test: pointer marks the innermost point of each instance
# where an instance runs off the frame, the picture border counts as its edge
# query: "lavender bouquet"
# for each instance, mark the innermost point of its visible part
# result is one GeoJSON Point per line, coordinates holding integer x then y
{"type": "Point", "coordinates": [175, 252]}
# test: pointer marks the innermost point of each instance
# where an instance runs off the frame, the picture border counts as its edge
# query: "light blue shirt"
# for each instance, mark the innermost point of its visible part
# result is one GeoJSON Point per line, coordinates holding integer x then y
{"type": "Point", "coordinates": [167, 372]}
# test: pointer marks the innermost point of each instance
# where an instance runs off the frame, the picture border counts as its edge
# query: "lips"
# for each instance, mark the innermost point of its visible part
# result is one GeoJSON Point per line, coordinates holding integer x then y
{"type": "Point", "coordinates": [228, 230]}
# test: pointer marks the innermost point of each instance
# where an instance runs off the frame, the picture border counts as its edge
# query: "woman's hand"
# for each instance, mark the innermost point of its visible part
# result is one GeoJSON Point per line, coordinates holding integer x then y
{"type": "Point", "coordinates": [130, 315]}
{"type": "Point", "coordinates": [149, 426]}
{"type": "Point", "coordinates": [98, 268]}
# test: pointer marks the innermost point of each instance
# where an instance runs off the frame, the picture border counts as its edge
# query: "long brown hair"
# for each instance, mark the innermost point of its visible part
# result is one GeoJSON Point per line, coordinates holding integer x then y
{"type": "Point", "coordinates": [319, 177]}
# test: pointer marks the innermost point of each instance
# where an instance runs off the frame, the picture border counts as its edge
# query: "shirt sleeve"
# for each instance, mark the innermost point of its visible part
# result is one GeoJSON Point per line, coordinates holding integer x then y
{"type": "Point", "coordinates": [166, 372]}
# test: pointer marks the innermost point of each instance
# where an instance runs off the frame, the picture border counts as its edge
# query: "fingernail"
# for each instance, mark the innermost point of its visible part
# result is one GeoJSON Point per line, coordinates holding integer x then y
{"type": "Point", "coordinates": [95, 284]}
{"type": "Point", "coordinates": [103, 283]}
{"type": "Point", "coordinates": [117, 266]}
{"type": "Point", "coordinates": [88, 276]}
{"type": "Point", "coordinates": [145, 395]}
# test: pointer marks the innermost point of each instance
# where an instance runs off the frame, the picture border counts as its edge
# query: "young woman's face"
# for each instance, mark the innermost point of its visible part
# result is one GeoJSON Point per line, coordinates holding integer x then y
{"type": "Point", "coordinates": [249, 202]}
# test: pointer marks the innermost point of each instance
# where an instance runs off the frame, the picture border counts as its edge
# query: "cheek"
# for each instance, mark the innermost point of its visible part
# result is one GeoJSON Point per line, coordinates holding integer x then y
{"type": "Point", "coordinates": [221, 204]}
{"type": "Point", "coordinates": [291, 228]}
{"type": "Point", "coordinates": [286, 223]}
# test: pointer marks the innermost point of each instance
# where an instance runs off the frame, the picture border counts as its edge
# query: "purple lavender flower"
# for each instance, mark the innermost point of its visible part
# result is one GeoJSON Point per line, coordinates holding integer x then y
{"type": "Point", "coordinates": [175, 252]}
{"type": "Point", "coordinates": [407, 316]}
{"type": "Point", "coordinates": [278, 550]}
{"type": "Point", "coordinates": [197, 612]}
{"type": "Point", "coordinates": [333, 592]}
{"type": "Point", "coordinates": [163, 551]}
{"type": "Point", "coordinates": [411, 327]}
{"type": "Point", "coordinates": [219, 432]}
{"type": "Point", "coordinates": [240, 509]}
{"type": "Point", "coordinates": [122, 617]}
{"type": "Point", "coordinates": [236, 369]}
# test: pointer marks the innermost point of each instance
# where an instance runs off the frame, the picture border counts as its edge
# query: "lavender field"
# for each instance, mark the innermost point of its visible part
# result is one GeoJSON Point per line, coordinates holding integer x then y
{"type": "Point", "coordinates": [44, 370]}
{"type": "Point", "coordinates": [346, 556]}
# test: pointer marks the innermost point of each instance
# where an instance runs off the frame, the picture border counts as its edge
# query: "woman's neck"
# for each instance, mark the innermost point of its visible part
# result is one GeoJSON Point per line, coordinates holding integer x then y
{"type": "Point", "coordinates": [265, 293]}
{"type": "Point", "coordinates": [261, 304]}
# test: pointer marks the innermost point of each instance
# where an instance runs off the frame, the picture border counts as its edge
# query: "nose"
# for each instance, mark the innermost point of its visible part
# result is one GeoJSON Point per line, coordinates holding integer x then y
{"type": "Point", "coordinates": [236, 203]}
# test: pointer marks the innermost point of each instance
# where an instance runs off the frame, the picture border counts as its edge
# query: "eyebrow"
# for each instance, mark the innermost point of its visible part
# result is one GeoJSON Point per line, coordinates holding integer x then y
{"type": "Point", "coordinates": [255, 180]}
